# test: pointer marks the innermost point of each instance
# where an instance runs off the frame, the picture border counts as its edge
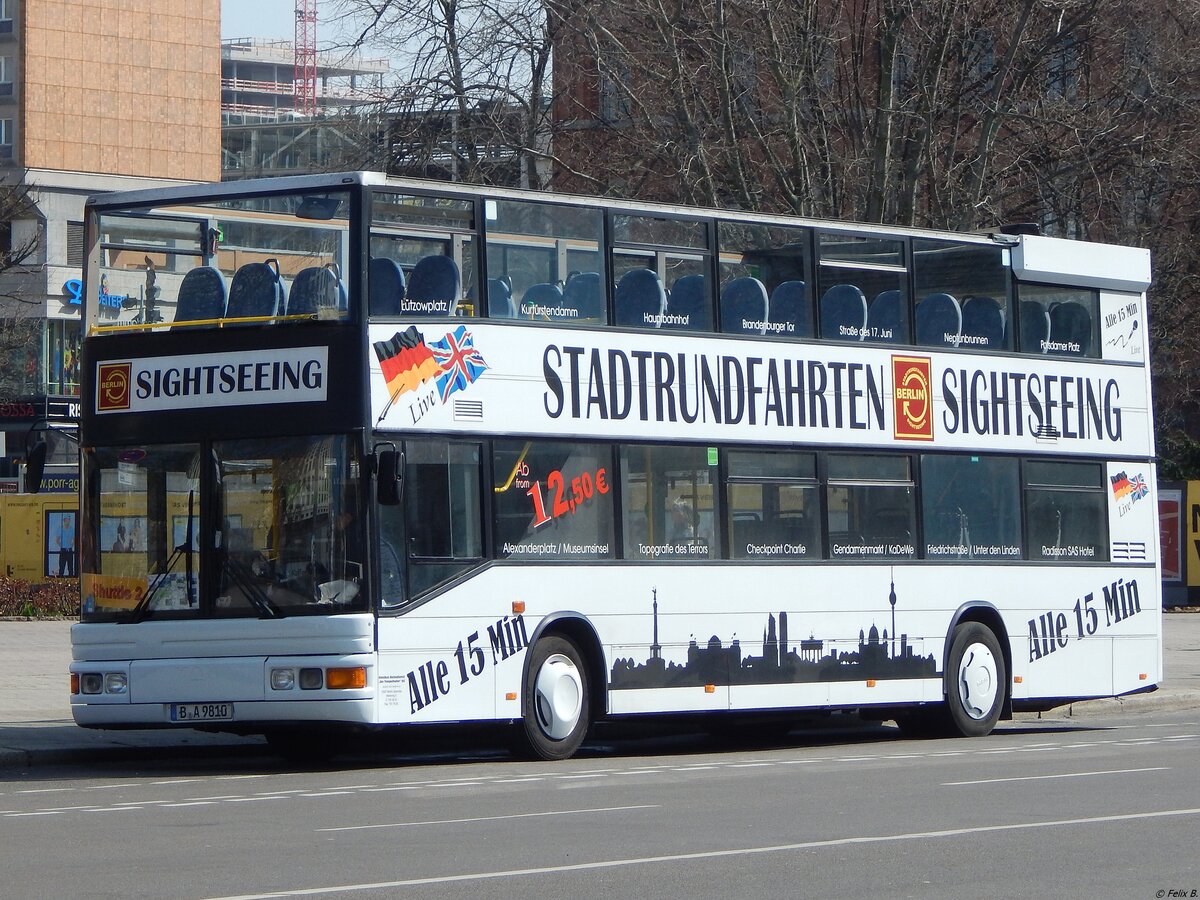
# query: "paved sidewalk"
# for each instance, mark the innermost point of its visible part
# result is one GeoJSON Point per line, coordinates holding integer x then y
{"type": "Point", "coordinates": [36, 727]}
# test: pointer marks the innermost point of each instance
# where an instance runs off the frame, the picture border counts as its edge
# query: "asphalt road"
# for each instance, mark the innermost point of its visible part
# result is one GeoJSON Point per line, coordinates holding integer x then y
{"type": "Point", "coordinates": [1107, 807]}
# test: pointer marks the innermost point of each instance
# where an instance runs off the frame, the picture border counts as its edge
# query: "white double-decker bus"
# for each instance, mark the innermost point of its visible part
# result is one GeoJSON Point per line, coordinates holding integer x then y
{"type": "Point", "coordinates": [361, 452]}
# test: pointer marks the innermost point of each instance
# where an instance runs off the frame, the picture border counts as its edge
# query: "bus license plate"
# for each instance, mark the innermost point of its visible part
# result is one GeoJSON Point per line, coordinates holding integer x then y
{"type": "Point", "coordinates": [201, 712]}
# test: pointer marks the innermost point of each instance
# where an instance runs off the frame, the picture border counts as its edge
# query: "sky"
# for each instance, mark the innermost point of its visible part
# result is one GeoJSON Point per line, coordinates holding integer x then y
{"type": "Point", "coordinates": [263, 19]}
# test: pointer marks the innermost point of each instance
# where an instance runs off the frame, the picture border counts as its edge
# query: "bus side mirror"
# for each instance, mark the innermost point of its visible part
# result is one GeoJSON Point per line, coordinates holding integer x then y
{"type": "Point", "coordinates": [388, 461]}
{"type": "Point", "coordinates": [35, 464]}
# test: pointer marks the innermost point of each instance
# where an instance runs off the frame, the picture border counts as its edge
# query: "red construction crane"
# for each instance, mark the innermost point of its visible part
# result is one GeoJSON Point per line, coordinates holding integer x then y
{"type": "Point", "coordinates": [305, 74]}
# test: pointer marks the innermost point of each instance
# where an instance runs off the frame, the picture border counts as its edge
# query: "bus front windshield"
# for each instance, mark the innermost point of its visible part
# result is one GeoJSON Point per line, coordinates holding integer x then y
{"type": "Point", "coordinates": [252, 527]}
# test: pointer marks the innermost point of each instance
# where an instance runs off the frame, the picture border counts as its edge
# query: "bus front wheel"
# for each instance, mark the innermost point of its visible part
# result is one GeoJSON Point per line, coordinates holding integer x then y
{"type": "Point", "coordinates": [976, 680]}
{"type": "Point", "coordinates": [556, 699]}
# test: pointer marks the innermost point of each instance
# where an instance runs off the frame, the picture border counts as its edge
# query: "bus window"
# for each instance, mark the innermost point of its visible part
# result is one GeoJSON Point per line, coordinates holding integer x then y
{"type": "Point", "coordinates": [975, 277]}
{"type": "Point", "coordinates": [660, 268]}
{"type": "Point", "coordinates": [971, 507]}
{"type": "Point", "coordinates": [143, 501]}
{"type": "Point", "coordinates": [667, 497]}
{"type": "Point", "coordinates": [773, 505]}
{"type": "Point", "coordinates": [443, 511]}
{"type": "Point", "coordinates": [863, 289]}
{"type": "Point", "coordinates": [774, 257]}
{"type": "Point", "coordinates": [431, 244]}
{"type": "Point", "coordinates": [1065, 515]}
{"type": "Point", "coordinates": [871, 507]}
{"type": "Point", "coordinates": [553, 500]}
{"type": "Point", "coordinates": [253, 261]}
{"type": "Point", "coordinates": [1071, 316]}
{"type": "Point", "coordinates": [290, 529]}
{"type": "Point", "coordinates": [531, 245]}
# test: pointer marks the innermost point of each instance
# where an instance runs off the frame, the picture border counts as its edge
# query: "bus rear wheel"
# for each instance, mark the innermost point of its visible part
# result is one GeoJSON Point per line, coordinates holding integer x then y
{"type": "Point", "coordinates": [976, 680]}
{"type": "Point", "coordinates": [557, 698]}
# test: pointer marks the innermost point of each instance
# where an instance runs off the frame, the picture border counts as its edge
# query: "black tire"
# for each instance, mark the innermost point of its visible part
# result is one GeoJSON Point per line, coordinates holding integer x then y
{"type": "Point", "coordinates": [557, 699]}
{"type": "Point", "coordinates": [976, 680]}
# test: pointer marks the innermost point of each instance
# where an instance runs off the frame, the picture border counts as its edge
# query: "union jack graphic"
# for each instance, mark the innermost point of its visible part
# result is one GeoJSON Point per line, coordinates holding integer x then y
{"type": "Point", "coordinates": [461, 363]}
{"type": "Point", "coordinates": [1138, 483]}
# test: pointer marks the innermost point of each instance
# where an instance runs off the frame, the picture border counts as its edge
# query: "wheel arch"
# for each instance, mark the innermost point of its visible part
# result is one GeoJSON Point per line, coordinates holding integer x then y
{"type": "Point", "coordinates": [579, 629]}
{"type": "Point", "coordinates": [984, 613]}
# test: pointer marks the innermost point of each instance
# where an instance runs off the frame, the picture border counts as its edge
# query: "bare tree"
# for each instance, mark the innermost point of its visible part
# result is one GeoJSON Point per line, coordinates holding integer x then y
{"type": "Point", "coordinates": [472, 98]}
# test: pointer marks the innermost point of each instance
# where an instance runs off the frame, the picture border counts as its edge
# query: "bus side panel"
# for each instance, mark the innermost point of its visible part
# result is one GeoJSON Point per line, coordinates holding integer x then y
{"type": "Point", "coordinates": [695, 638]}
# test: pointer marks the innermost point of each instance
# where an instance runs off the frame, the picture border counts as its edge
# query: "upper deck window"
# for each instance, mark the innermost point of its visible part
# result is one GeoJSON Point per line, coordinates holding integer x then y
{"type": "Point", "coordinates": [962, 295]}
{"type": "Point", "coordinates": [1059, 321]}
{"type": "Point", "coordinates": [764, 280]}
{"type": "Point", "coordinates": [544, 262]}
{"type": "Point", "coordinates": [863, 289]}
{"type": "Point", "coordinates": [248, 261]}
{"type": "Point", "coordinates": [423, 256]}
{"type": "Point", "coordinates": [660, 268]}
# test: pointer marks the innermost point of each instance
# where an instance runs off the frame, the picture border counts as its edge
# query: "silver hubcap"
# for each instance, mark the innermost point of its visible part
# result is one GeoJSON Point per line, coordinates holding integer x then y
{"type": "Point", "coordinates": [978, 681]}
{"type": "Point", "coordinates": [558, 697]}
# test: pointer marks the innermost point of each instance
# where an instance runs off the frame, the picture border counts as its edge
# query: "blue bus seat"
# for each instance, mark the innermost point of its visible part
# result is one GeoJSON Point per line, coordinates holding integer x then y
{"type": "Point", "coordinates": [539, 299]}
{"type": "Point", "coordinates": [256, 290]}
{"type": "Point", "coordinates": [584, 293]}
{"type": "Point", "coordinates": [744, 306]}
{"type": "Point", "coordinates": [434, 287]}
{"type": "Point", "coordinates": [688, 302]}
{"type": "Point", "coordinates": [500, 304]}
{"type": "Point", "coordinates": [640, 299]}
{"type": "Point", "coordinates": [1035, 327]}
{"type": "Point", "coordinates": [789, 313]}
{"type": "Point", "coordinates": [843, 313]}
{"type": "Point", "coordinates": [982, 323]}
{"type": "Point", "coordinates": [201, 295]}
{"type": "Point", "coordinates": [316, 288]}
{"type": "Point", "coordinates": [1070, 324]}
{"type": "Point", "coordinates": [887, 318]}
{"type": "Point", "coordinates": [939, 321]}
{"type": "Point", "coordinates": [386, 287]}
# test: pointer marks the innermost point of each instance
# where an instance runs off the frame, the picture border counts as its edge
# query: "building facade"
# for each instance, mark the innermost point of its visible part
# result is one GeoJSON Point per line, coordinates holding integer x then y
{"type": "Point", "coordinates": [95, 95]}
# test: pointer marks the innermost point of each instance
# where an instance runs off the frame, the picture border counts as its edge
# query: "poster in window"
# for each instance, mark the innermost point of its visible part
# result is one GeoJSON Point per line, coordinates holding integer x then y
{"type": "Point", "coordinates": [60, 543]}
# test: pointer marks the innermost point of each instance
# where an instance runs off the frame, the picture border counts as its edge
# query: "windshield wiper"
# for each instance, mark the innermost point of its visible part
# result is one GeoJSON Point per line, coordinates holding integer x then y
{"type": "Point", "coordinates": [142, 608]}
{"type": "Point", "coordinates": [240, 575]}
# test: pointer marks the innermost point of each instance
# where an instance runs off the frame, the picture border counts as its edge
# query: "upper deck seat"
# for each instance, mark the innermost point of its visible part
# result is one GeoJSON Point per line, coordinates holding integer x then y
{"type": "Point", "coordinates": [201, 295]}
{"type": "Point", "coordinates": [982, 323]}
{"type": "Point", "coordinates": [433, 287]}
{"type": "Point", "coordinates": [542, 302]}
{"type": "Point", "coordinates": [500, 304]}
{"type": "Point", "coordinates": [687, 303]}
{"type": "Point", "coordinates": [843, 313]}
{"type": "Point", "coordinates": [744, 306]}
{"type": "Point", "coordinates": [1070, 325]}
{"type": "Point", "coordinates": [640, 299]}
{"type": "Point", "coordinates": [789, 313]}
{"type": "Point", "coordinates": [386, 286]}
{"type": "Point", "coordinates": [887, 318]}
{"type": "Point", "coordinates": [584, 293]}
{"type": "Point", "coordinates": [256, 291]}
{"type": "Point", "coordinates": [939, 321]}
{"type": "Point", "coordinates": [1035, 326]}
{"type": "Point", "coordinates": [314, 289]}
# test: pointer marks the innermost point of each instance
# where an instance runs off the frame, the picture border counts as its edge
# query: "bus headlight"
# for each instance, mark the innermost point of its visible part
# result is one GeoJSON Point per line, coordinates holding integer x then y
{"type": "Point", "coordinates": [116, 683]}
{"type": "Point", "coordinates": [311, 679]}
{"type": "Point", "coordinates": [283, 679]}
{"type": "Point", "coordinates": [91, 683]}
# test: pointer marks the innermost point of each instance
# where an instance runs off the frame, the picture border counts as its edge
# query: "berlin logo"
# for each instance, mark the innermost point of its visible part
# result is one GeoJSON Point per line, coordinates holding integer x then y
{"type": "Point", "coordinates": [912, 398]}
{"type": "Point", "coordinates": [112, 386]}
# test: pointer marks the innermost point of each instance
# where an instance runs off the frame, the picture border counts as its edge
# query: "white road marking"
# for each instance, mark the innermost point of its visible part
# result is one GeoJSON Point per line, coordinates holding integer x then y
{"type": "Point", "coordinates": [1063, 775]}
{"type": "Point", "coordinates": [711, 854]}
{"type": "Point", "coordinates": [561, 812]}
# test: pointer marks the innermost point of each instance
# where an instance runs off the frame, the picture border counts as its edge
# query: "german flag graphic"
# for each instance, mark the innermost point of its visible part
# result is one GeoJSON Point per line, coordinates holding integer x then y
{"type": "Point", "coordinates": [406, 362]}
